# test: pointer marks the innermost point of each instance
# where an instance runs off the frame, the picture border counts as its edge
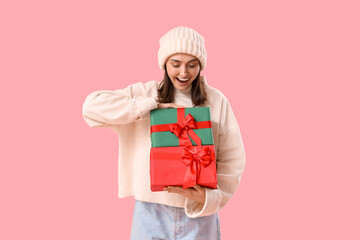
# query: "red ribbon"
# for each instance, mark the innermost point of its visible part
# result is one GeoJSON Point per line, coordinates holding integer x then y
{"type": "Point", "coordinates": [194, 160]}
{"type": "Point", "coordinates": [184, 128]}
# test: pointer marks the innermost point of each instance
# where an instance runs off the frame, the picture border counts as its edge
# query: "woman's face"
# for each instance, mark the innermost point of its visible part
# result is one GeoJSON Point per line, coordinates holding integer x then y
{"type": "Point", "coordinates": [182, 69]}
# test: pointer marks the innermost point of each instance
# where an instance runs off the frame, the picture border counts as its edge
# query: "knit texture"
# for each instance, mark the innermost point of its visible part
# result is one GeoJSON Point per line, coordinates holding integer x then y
{"type": "Point", "coordinates": [182, 40]}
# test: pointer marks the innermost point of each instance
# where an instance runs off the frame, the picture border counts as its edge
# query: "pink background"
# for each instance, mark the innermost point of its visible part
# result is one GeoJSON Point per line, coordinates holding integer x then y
{"type": "Point", "coordinates": [290, 70]}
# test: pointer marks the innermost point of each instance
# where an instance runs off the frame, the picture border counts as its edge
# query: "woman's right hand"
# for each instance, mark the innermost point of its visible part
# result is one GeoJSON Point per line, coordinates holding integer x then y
{"type": "Point", "coordinates": [169, 105]}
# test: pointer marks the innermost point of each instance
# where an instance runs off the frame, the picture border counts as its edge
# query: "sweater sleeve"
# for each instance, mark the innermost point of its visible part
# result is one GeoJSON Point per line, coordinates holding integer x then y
{"type": "Point", "coordinates": [230, 166]}
{"type": "Point", "coordinates": [103, 108]}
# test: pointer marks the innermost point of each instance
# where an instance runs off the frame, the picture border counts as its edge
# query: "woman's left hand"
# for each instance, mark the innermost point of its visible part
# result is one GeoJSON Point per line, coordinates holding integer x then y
{"type": "Point", "coordinates": [197, 193]}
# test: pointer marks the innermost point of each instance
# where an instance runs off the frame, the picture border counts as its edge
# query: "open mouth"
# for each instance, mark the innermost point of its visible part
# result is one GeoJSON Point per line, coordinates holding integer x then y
{"type": "Point", "coordinates": [182, 81]}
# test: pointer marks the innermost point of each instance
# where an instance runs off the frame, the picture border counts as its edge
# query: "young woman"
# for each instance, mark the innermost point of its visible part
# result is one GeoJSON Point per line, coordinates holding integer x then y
{"type": "Point", "coordinates": [173, 213]}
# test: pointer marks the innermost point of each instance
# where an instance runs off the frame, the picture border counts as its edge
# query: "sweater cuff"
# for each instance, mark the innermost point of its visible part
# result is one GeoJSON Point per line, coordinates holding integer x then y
{"type": "Point", "coordinates": [145, 104]}
{"type": "Point", "coordinates": [195, 209]}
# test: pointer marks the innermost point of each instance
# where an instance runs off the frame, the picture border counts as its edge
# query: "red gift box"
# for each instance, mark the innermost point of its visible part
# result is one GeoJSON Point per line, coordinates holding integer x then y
{"type": "Point", "coordinates": [181, 166]}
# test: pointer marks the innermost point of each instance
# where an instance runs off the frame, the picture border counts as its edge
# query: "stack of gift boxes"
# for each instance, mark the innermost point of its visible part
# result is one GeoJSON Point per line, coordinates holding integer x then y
{"type": "Point", "coordinates": [182, 148]}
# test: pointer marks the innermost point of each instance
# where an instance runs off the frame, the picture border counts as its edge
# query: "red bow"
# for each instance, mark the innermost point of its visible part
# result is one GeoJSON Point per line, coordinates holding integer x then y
{"type": "Point", "coordinates": [182, 129]}
{"type": "Point", "coordinates": [194, 160]}
{"type": "Point", "coordinates": [187, 124]}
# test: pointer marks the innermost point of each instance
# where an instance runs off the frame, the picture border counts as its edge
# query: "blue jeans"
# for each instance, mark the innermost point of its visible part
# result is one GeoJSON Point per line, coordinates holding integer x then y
{"type": "Point", "coordinates": [162, 222]}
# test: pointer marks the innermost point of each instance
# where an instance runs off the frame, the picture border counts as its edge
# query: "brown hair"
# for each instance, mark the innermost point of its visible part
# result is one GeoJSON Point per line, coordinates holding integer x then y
{"type": "Point", "coordinates": [166, 90]}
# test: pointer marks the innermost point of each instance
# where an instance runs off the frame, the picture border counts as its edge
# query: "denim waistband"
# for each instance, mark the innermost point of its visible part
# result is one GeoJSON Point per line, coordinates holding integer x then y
{"type": "Point", "coordinates": [160, 221]}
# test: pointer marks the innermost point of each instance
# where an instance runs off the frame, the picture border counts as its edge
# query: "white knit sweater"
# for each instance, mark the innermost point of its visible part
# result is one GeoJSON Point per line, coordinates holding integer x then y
{"type": "Point", "coordinates": [127, 112]}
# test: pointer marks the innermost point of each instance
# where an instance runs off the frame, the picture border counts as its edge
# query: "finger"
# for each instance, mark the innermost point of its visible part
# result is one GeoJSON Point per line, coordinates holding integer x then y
{"type": "Point", "coordinates": [176, 191]}
{"type": "Point", "coordinates": [177, 106]}
{"type": "Point", "coordinates": [180, 190]}
{"type": "Point", "coordinates": [176, 187]}
{"type": "Point", "coordinates": [173, 190]}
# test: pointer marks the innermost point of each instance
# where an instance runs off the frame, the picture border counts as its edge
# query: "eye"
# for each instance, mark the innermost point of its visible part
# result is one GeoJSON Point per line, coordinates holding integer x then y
{"type": "Point", "coordinates": [189, 66]}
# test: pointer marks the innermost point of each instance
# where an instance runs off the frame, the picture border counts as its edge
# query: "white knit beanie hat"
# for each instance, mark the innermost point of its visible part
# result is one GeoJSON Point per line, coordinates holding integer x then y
{"type": "Point", "coordinates": [182, 40]}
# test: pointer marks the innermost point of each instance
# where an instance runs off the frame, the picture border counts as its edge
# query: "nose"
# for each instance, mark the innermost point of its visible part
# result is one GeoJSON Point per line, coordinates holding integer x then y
{"type": "Point", "coordinates": [183, 71]}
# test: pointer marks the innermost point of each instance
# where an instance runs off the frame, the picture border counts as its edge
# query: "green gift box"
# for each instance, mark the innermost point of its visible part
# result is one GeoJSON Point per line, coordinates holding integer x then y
{"type": "Point", "coordinates": [164, 123]}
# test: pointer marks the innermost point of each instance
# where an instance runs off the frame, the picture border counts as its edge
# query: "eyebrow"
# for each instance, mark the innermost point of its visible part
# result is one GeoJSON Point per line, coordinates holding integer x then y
{"type": "Point", "coordinates": [180, 61]}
